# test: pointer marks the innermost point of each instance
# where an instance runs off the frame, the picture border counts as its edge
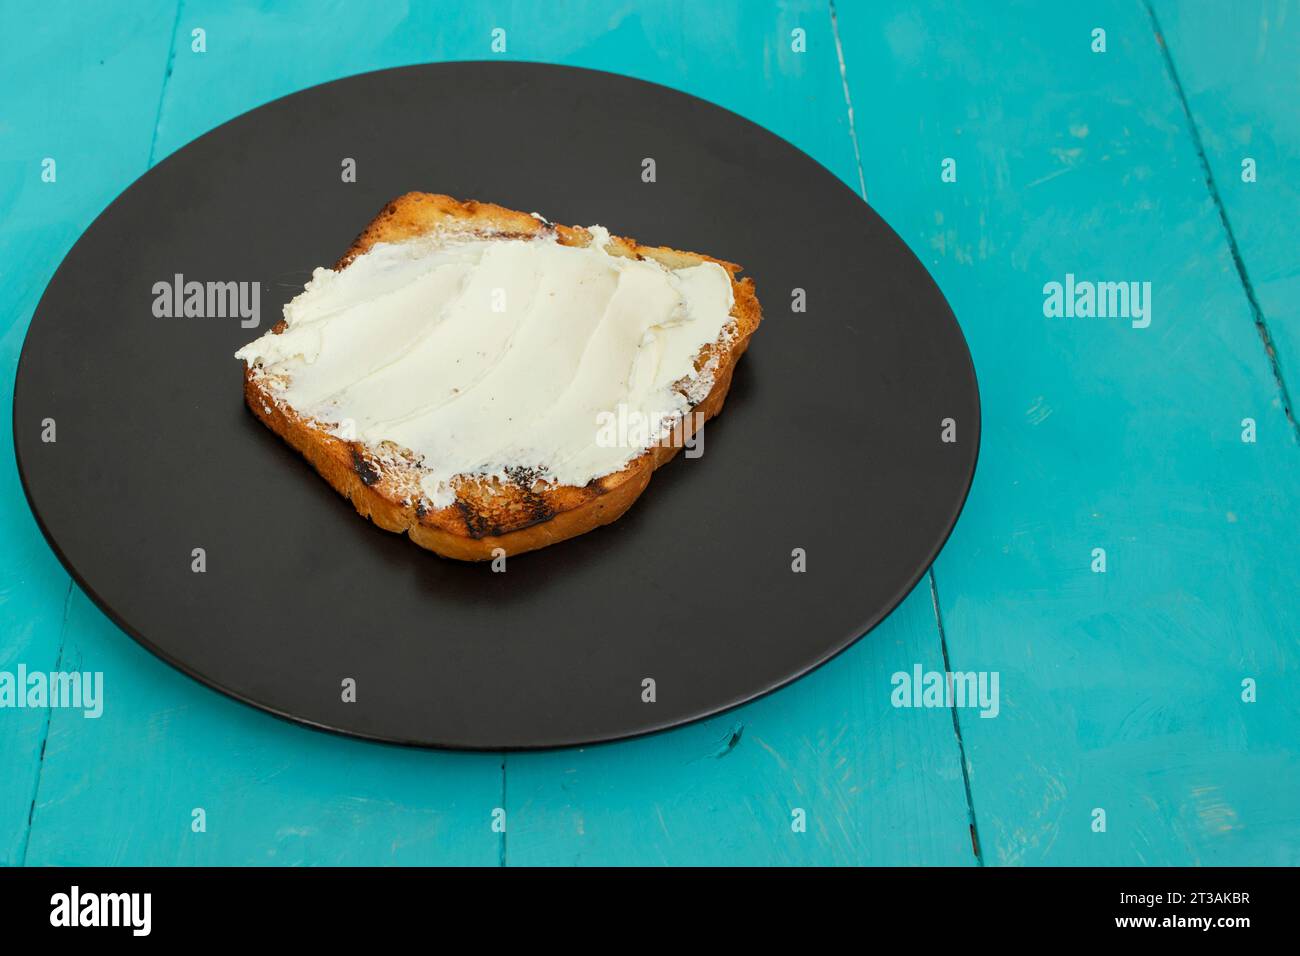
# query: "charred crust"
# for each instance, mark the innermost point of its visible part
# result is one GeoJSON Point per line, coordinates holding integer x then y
{"type": "Point", "coordinates": [421, 509]}
{"type": "Point", "coordinates": [535, 506]}
{"type": "Point", "coordinates": [477, 525]}
{"type": "Point", "coordinates": [538, 509]}
{"type": "Point", "coordinates": [366, 471]}
{"type": "Point", "coordinates": [523, 477]}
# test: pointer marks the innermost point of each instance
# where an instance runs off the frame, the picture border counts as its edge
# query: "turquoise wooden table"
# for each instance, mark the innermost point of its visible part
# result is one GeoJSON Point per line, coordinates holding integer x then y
{"type": "Point", "coordinates": [1147, 712]}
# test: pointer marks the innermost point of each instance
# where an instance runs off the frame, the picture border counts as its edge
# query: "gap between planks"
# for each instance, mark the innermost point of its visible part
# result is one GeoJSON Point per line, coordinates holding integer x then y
{"type": "Point", "coordinates": [848, 100]}
{"type": "Point", "coordinates": [1257, 312]}
{"type": "Point", "coordinates": [505, 829]}
{"type": "Point", "coordinates": [934, 588]}
{"type": "Point", "coordinates": [167, 75]}
{"type": "Point", "coordinates": [45, 726]}
{"type": "Point", "coordinates": [956, 727]}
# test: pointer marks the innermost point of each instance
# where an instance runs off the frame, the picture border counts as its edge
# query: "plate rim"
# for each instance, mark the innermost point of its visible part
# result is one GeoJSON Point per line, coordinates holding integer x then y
{"type": "Point", "coordinates": [836, 649]}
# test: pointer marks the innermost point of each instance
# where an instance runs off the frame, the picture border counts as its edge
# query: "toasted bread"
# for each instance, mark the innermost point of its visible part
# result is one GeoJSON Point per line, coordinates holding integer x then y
{"type": "Point", "coordinates": [523, 513]}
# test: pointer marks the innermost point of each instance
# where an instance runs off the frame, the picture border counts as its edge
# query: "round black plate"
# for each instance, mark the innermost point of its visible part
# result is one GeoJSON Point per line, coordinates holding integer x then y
{"type": "Point", "coordinates": [830, 441]}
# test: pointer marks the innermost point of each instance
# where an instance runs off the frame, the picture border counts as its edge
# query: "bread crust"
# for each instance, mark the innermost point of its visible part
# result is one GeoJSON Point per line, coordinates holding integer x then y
{"type": "Point", "coordinates": [524, 514]}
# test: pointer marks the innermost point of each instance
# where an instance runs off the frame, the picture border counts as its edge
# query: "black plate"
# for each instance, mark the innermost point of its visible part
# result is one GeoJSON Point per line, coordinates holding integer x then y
{"type": "Point", "coordinates": [830, 440]}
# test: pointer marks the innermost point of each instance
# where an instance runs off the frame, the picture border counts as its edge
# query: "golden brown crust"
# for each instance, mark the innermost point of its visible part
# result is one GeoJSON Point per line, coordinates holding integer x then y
{"type": "Point", "coordinates": [523, 514]}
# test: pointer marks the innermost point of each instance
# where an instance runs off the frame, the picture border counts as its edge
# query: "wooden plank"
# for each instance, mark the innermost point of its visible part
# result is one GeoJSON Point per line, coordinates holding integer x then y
{"type": "Point", "coordinates": [82, 86]}
{"type": "Point", "coordinates": [1119, 690]}
{"type": "Point", "coordinates": [1238, 67]}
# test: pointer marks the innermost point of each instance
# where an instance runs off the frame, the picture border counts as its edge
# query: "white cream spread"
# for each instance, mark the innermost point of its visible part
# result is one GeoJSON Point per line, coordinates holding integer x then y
{"type": "Point", "coordinates": [482, 355]}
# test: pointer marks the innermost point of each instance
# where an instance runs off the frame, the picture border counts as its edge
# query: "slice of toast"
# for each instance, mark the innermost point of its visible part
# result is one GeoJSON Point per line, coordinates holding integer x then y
{"type": "Point", "coordinates": [523, 512]}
